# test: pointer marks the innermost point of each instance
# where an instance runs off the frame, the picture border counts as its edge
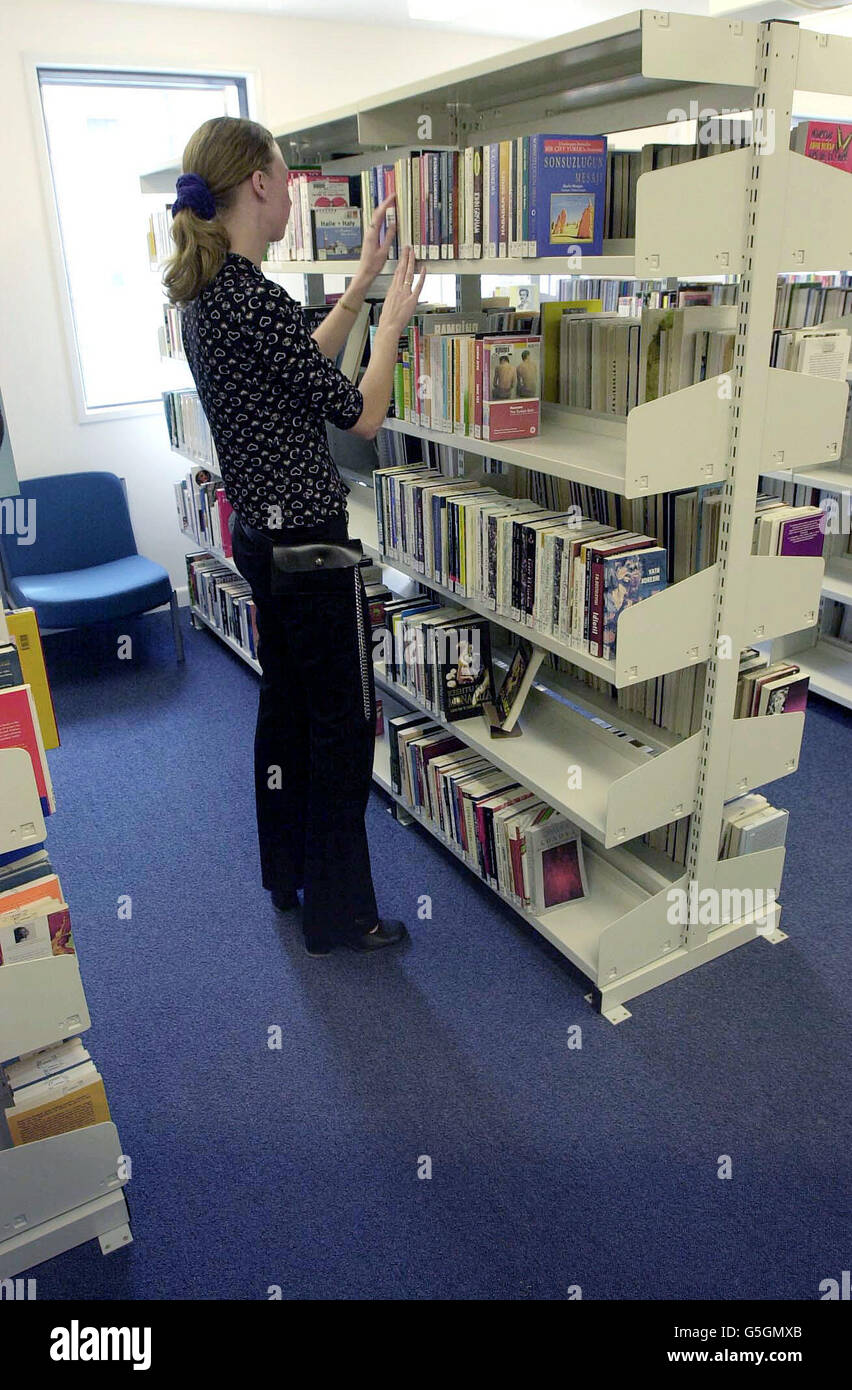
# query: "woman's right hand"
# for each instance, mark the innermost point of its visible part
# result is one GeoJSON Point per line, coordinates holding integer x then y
{"type": "Point", "coordinates": [403, 294]}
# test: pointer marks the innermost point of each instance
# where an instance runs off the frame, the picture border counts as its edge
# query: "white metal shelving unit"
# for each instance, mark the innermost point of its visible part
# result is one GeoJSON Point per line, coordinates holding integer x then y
{"type": "Point", "coordinates": [749, 213]}
{"type": "Point", "coordinates": [55, 1193]}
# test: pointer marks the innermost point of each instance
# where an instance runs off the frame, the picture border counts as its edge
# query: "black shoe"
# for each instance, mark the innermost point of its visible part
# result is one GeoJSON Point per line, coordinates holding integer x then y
{"type": "Point", "coordinates": [285, 902]}
{"type": "Point", "coordinates": [388, 934]}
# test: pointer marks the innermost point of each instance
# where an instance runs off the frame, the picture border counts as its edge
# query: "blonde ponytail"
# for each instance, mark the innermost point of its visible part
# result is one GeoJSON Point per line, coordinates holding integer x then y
{"type": "Point", "coordinates": [222, 152]}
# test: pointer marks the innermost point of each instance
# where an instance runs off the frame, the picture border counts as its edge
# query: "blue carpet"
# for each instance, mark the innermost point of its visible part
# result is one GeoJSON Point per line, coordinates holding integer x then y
{"type": "Point", "coordinates": [551, 1167]}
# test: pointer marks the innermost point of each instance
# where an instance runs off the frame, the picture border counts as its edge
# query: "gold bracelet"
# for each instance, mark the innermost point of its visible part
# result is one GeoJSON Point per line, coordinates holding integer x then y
{"type": "Point", "coordinates": [348, 307]}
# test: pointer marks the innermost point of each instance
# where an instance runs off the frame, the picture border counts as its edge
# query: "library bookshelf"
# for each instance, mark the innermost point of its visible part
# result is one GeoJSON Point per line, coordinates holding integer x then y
{"type": "Point", "coordinates": [56, 1192]}
{"type": "Point", "coordinates": [747, 213]}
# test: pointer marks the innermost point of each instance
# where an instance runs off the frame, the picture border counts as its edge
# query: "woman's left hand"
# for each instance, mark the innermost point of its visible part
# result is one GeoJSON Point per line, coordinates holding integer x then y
{"type": "Point", "coordinates": [374, 253]}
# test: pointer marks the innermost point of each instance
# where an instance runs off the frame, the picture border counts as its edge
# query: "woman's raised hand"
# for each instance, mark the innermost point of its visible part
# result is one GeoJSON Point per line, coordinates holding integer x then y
{"type": "Point", "coordinates": [404, 292]}
{"type": "Point", "coordinates": [374, 251]}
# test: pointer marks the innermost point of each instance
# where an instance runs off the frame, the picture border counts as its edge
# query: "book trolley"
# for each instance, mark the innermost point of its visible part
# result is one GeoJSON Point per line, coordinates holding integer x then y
{"type": "Point", "coordinates": [756, 213]}
{"type": "Point", "coordinates": [57, 1192]}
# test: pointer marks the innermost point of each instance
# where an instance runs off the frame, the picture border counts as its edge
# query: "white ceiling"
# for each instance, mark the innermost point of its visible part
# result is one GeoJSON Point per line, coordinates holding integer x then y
{"type": "Point", "coordinates": [521, 19]}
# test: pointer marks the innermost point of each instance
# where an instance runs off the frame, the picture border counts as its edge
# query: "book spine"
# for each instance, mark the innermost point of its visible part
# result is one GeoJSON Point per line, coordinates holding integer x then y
{"type": "Point", "coordinates": [477, 202]}
{"type": "Point", "coordinates": [535, 141]}
{"type": "Point", "coordinates": [516, 205]}
{"type": "Point", "coordinates": [477, 389]}
{"type": "Point", "coordinates": [433, 214]}
{"type": "Point", "coordinates": [494, 199]}
{"type": "Point", "coordinates": [525, 196]}
{"type": "Point", "coordinates": [596, 607]}
{"type": "Point", "coordinates": [444, 204]}
{"type": "Point", "coordinates": [503, 197]}
{"type": "Point", "coordinates": [458, 203]}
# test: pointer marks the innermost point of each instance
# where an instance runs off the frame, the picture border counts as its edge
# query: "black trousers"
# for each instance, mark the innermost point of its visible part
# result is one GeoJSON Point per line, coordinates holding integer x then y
{"type": "Point", "coordinates": [315, 735]}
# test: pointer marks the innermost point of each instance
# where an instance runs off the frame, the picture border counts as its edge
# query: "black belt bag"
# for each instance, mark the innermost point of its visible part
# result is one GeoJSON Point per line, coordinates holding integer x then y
{"type": "Point", "coordinates": [293, 565]}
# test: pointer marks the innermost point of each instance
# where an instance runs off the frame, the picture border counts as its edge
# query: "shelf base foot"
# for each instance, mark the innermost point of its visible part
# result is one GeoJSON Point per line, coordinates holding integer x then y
{"type": "Point", "coordinates": [400, 814]}
{"type": "Point", "coordinates": [114, 1239]}
{"type": "Point", "coordinates": [616, 1013]}
{"type": "Point", "coordinates": [774, 937]}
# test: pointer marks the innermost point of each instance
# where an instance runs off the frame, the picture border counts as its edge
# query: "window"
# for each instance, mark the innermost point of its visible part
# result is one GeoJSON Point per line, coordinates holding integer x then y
{"type": "Point", "coordinates": [104, 130]}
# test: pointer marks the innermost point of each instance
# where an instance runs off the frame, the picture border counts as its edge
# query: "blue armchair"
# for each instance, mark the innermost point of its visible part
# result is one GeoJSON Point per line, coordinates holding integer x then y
{"type": "Point", "coordinates": [82, 565]}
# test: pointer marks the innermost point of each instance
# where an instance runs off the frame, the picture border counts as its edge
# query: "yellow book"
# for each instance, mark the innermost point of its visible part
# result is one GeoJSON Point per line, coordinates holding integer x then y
{"type": "Point", "coordinates": [75, 1110]}
{"type": "Point", "coordinates": [23, 628]}
{"type": "Point", "coordinates": [551, 317]}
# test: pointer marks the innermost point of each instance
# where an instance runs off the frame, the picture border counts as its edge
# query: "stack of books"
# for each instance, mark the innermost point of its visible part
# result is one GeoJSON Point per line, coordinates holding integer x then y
{"type": "Point", "coordinates": [187, 425]}
{"type": "Point", "coordinates": [203, 510]}
{"type": "Point", "coordinates": [224, 598]}
{"type": "Point", "coordinates": [516, 842]}
{"type": "Point", "coordinates": [324, 222]}
{"type": "Point", "coordinates": [555, 572]}
{"type": "Point", "coordinates": [54, 1090]}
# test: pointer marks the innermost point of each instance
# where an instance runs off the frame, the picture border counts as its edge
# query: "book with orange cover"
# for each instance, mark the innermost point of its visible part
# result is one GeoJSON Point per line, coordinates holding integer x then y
{"type": "Point", "coordinates": [71, 1109]}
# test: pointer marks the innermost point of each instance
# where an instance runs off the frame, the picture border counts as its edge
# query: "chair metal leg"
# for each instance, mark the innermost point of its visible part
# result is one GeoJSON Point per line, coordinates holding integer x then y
{"type": "Point", "coordinates": [176, 627]}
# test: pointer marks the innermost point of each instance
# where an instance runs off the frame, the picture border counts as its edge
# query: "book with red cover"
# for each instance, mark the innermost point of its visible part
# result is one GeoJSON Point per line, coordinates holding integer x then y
{"type": "Point", "coordinates": [828, 141]}
{"type": "Point", "coordinates": [19, 728]}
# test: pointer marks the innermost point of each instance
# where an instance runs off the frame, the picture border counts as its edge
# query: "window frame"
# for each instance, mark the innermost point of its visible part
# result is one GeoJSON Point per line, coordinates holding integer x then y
{"type": "Point", "coordinates": [34, 64]}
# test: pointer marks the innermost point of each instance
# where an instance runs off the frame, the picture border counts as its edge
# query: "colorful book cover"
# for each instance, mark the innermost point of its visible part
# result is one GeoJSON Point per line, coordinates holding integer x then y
{"type": "Point", "coordinates": [802, 535]}
{"type": "Point", "coordinates": [37, 937]}
{"type": "Point", "coordinates": [511, 382]}
{"type": "Point", "coordinates": [828, 141]}
{"type": "Point", "coordinates": [464, 669]}
{"type": "Point", "coordinates": [787, 696]}
{"type": "Point", "coordinates": [627, 580]}
{"type": "Point", "coordinates": [561, 875]}
{"type": "Point", "coordinates": [567, 194]}
{"type": "Point", "coordinates": [336, 233]}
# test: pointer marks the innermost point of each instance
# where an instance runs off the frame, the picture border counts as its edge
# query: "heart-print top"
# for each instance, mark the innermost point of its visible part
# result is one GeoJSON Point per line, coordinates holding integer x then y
{"type": "Point", "coordinates": [267, 389]}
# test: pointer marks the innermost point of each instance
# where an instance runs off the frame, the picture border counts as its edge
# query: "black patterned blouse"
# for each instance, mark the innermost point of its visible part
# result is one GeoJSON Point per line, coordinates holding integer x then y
{"type": "Point", "coordinates": [267, 389]}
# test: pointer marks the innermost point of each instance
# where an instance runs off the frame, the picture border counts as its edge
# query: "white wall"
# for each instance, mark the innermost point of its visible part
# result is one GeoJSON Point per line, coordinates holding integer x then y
{"type": "Point", "coordinates": [300, 67]}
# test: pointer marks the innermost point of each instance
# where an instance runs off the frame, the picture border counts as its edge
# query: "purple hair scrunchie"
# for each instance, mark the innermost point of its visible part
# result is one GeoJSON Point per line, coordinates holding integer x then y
{"type": "Point", "coordinates": [194, 192]}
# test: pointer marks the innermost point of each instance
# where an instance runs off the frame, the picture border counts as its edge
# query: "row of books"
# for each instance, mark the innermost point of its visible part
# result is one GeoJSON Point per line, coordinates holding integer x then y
{"type": "Point", "coordinates": [535, 195]}
{"type": "Point", "coordinates": [187, 425]}
{"type": "Point", "coordinates": [565, 575]}
{"type": "Point", "coordinates": [630, 296]}
{"type": "Point", "coordinates": [517, 843]}
{"type": "Point", "coordinates": [804, 303]}
{"type": "Point", "coordinates": [203, 509]}
{"type": "Point", "coordinates": [835, 621]}
{"type": "Point", "coordinates": [609, 363]}
{"type": "Point", "coordinates": [441, 654]}
{"type": "Point", "coordinates": [53, 1090]}
{"type": "Point", "coordinates": [325, 221]}
{"type": "Point", "coordinates": [769, 687]}
{"type": "Point", "coordinates": [169, 333]}
{"type": "Point", "coordinates": [35, 921]}
{"type": "Point", "coordinates": [835, 509]}
{"type": "Point", "coordinates": [224, 598]}
{"type": "Point", "coordinates": [749, 824]}
{"type": "Point", "coordinates": [481, 385]}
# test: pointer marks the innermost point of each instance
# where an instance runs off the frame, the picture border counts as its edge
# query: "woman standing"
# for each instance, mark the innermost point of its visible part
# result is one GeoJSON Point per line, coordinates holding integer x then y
{"type": "Point", "coordinates": [267, 387]}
